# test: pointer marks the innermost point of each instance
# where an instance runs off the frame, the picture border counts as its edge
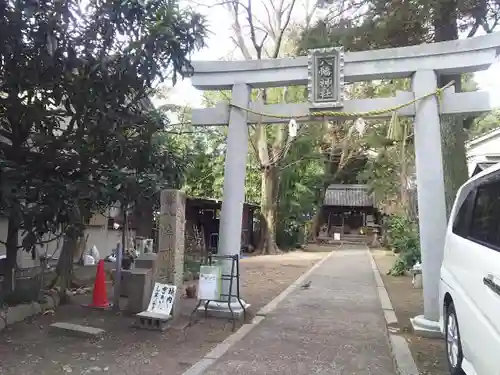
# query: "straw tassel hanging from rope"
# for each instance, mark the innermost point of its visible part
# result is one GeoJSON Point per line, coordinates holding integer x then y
{"type": "Point", "coordinates": [397, 131]}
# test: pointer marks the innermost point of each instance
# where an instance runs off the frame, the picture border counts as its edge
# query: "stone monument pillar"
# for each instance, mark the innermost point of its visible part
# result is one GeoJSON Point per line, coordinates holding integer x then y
{"type": "Point", "coordinates": [170, 266]}
{"type": "Point", "coordinates": [431, 199]}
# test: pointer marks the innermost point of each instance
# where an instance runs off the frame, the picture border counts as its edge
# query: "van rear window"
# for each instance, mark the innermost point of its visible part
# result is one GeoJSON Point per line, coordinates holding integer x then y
{"type": "Point", "coordinates": [461, 224]}
{"type": "Point", "coordinates": [485, 220]}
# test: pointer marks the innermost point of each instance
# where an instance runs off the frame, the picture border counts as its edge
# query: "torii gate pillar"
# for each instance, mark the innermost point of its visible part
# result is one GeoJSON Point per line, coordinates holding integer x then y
{"type": "Point", "coordinates": [231, 215]}
{"type": "Point", "coordinates": [431, 199]}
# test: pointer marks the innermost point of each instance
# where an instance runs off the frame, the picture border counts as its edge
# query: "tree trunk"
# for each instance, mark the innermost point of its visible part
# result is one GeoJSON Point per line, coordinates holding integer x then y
{"type": "Point", "coordinates": [11, 261]}
{"type": "Point", "coordinates": [313, 235]}
{"type": "Point", "coordinates": [316, 220]}
{"type": "Point", "coordinates": [64, 268]}
{"type": "Point", "coordinates": [81, 247]}
{"type": "Point", "coordinates": [452, 132]}
{"type": "Point", "coordinates": [454, 158]}
{"type": "Point", "coordinates": [74, 240]}
{"type": "Point", "coordinates": [144, 211]}
{"type": "Point", "coordinates": [268, 210]}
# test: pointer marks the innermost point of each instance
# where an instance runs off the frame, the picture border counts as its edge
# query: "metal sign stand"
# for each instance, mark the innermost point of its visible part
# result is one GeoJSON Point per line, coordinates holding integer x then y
{"type": "Point", "coordinates": [233, 277]}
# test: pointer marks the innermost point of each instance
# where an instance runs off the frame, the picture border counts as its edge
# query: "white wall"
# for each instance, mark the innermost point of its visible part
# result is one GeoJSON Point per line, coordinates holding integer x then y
{"type": "Point", "coordinates": [483, 149]}
{"type": "Point", "coordinates": [24, 259]}
{"type": "Point", "coordinates": [105, 240]}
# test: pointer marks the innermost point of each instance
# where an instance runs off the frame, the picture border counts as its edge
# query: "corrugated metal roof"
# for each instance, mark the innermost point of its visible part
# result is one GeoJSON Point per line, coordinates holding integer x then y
{"type": "Point", "coordinates": [348, 195]}
{"type": "Point", "coordinates": [482, 166]}
{"type": "Point", "coordinates": [485, 165]}
{"type": "Point", "coordinates": [483, 137]}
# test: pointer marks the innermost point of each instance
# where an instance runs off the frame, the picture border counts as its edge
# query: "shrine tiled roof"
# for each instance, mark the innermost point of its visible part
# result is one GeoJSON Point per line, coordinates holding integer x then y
{"type": "Point", "coordinates": [348, 196]}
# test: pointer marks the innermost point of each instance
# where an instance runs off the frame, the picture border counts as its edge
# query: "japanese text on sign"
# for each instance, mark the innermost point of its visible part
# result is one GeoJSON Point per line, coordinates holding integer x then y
{"type": "Point", "coordinates": [209, 283]}
{"type": "Point", "coordinates": [162, 299]}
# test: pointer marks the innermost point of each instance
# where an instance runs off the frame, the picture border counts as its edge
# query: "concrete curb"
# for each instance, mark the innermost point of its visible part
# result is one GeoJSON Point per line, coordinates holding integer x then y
{"type": "Point", "coordinates": [202, 365]}
{"type": "Point", "coordinates": [403, 360]}
{"type": "Point", "coordinates": [19, 313]}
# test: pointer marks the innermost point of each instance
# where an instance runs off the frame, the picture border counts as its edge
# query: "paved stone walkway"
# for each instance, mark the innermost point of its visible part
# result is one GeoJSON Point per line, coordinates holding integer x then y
{"type": "Point", "coordinates": [335, 327]}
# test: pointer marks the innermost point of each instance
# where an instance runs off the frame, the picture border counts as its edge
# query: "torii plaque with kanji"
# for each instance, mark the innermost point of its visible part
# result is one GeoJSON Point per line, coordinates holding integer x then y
{"type": "Point", "coordinates": [326, 77]}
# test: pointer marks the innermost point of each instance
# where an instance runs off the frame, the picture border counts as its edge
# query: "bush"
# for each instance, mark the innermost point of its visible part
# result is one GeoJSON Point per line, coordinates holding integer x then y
{"type": "Point", "coordinates": [290, 234]}
{"type": "Point", "coordinates": [403, 239]}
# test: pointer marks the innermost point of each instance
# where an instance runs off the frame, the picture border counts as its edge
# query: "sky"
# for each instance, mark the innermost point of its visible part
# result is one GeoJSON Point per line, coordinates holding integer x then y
{"type": "Point", "coordinates": [219, 46]}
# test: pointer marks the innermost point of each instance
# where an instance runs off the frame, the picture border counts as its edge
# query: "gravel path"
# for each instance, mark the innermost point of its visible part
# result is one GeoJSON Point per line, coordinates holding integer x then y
{"type": "Point", "coordinates": [27, 348]}
{"type": "Point", "coordinates": [335, 327]}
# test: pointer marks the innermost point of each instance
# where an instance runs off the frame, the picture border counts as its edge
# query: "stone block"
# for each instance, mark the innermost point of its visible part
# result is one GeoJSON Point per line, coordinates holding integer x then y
{"type": "Point", "coordinates": [125, 279]}
{"type": "Point", "coordinates": [221, 310]}
{"type": "Point", "coordinates": [148, 260]}
{"type": "Point", "coordinates": [140, 287]}
{"type": "Point", "coordinates": [54, 294]}
{"type": "Point", "coordinates": [18, 313]}
{"type": "Point", "coordinates": [85, 275]}
{"type": "Point", "coordinates": [152, 321]}
{"type": "Point", "coordinates": [3, 320]}
{"type": "Point", "coordinates": [48, 303]}
{"type": "Point", "coordinates": [76, 330]}
{"type": "Point", "coordinates": [36, 308]}
{"type": "Point", "coordinates": [27, 285]}
{"type": "Point", "coordinates": [417, 280]}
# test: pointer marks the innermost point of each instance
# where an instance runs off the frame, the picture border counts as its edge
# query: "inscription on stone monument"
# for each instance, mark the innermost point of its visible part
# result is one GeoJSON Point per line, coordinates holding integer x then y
{"type": "Point", "coordinates": [171, 240]}
{"type": "Point", "coordinates": [326, 77]}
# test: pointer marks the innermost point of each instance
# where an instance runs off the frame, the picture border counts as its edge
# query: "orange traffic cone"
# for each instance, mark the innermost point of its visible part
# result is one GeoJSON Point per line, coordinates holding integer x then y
{"type": "Point", "coordinates": [100, 296]}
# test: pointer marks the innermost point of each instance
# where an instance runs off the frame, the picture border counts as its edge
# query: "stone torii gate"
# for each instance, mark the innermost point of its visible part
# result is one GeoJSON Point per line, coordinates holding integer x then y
{"type": "Point", "coordinates": [424, 63]}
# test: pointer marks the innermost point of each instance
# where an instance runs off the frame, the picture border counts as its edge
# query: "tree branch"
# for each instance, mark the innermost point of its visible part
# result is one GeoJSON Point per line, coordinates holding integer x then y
{"type": "Point", "coordinates": [279, 40]}
{"type": "Point", "coordinates": [254, 146]}
{"type": "Point", "coordinates": [44, 242]}
{"type": "Point", "coordinates": [240, 41]}
{"type": "Point", "coordinates": [474, 29]}
{"type": "Point", "coordinates": [253, 36]}
{"type": "Point", "coordinates": [269, 22]}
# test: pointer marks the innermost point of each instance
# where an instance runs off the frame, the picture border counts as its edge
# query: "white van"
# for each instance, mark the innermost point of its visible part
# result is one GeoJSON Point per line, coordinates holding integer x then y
{"type": "Point", "coordinates": [470, 278]}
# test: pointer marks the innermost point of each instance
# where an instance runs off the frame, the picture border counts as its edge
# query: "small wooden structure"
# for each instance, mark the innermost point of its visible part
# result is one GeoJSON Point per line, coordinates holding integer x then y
{"type": "Point", "coordinates": [204, 214]}
{"type": "Point", "coordinates": [348, 209]}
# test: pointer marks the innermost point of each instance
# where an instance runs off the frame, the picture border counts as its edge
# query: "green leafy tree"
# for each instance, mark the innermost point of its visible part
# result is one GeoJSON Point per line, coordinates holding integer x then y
{"type": "Point", "coordinates": [75, 119]}
{"type": "Point", "coordinates": [484, 124]}
{"type": "Point", "coordinates": [381, 24]}
{"type": "Point", "coordinates": [395, 24]}
{"type": "Point", "coordinates": [301, 178]}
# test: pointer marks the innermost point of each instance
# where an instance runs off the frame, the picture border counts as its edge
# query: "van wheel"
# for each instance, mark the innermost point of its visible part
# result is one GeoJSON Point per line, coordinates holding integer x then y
{"type": "Point", "coordinates": [453, 344]}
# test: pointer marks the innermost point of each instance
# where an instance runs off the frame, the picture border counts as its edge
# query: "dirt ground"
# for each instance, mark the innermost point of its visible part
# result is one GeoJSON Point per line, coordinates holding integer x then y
{"type": "Point", "coordinates": [429, 354]}
{"type": "Point", "coordinates": [28, 348]}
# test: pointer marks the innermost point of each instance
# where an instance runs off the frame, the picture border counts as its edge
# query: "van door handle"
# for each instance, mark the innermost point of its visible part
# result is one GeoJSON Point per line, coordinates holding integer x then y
{"type": "Point", "coordinates": [488, 281]}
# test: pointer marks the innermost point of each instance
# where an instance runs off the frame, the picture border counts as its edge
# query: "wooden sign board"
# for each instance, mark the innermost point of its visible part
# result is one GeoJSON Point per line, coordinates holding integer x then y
{"type": "Point", "coordinates": [210, 283]}
{"type": "Point", "coordinates": [162, 299]}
